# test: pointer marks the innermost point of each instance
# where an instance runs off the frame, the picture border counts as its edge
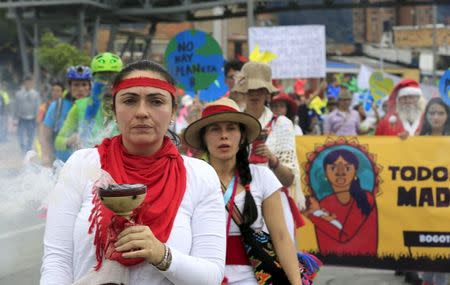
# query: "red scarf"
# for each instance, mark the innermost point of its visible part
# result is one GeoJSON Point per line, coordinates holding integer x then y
{"type": "Point", "coordinates": [164, 174]}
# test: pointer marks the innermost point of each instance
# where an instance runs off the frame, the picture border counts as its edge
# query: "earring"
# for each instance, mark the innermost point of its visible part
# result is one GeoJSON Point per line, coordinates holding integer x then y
{"type": "Point", "coordinates": [355, 178]}
{"type": "Point", "coordinates": [172, 122]}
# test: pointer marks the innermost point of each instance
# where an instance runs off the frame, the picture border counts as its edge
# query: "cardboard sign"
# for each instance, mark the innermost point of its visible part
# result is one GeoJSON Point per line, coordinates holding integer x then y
{"type": "Point", "coordinates": [377, 202]}
{"type": "Point", "coordinates": [300, 50]}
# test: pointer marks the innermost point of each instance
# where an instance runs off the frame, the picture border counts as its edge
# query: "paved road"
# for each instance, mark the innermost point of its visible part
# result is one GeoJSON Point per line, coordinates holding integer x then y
{"type": "Point", "coordinates": [329, 275]}
{"type": "Point", "coordinates": [21, 244]}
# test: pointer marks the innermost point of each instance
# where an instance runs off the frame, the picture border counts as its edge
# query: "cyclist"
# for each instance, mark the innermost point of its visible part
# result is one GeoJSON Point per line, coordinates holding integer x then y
{"type": "Point", "coordinates": [79, 82]}
{"type": "Point", "coordinates": [88, 122]}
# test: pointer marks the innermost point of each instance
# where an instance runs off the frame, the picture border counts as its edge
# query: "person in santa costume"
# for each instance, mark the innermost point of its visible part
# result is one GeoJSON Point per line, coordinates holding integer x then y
{"type": "Point", "coordinates": [405, 107]}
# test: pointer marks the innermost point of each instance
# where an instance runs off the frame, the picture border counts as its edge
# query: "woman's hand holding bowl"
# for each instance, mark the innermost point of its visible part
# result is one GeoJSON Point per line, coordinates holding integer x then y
{"type": "Point", "coordinates": [140, 242]}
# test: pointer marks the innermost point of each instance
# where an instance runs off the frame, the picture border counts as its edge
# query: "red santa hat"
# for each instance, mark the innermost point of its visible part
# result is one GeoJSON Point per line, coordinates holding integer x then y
{"type": "Point", "coordinates": [403, 88]}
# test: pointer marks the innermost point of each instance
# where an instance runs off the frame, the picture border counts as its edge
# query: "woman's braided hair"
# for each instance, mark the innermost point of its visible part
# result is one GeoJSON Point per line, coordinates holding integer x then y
{"type": "Point", "coordinates": [250, 213]}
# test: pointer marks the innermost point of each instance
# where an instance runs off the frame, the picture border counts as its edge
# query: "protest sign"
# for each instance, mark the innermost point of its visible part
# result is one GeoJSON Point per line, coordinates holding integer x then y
{"type": "Point", "coordinates": [377, 202]}
{"type": "Point", "coordinates": [195, 60]}
{"type": "Point", "coordinates": [298, 51]}
{"type": "Point", "coordinates": [444, 87]}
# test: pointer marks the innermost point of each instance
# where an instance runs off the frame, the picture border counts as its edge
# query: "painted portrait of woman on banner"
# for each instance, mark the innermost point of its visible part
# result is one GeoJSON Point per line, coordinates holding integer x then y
{"type": "Point", "coordinates": [342, 206]}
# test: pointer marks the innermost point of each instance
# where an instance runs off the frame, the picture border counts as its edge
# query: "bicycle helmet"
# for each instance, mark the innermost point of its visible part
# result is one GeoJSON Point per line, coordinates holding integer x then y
{"type": "Point", "coordinates": [105, 62]}
{"type": "Point", "coordinates": [78, 72]}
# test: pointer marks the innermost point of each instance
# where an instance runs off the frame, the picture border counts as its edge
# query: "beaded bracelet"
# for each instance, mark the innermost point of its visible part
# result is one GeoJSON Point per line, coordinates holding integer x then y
{"type": "Point", "coordinates": [166, 261]}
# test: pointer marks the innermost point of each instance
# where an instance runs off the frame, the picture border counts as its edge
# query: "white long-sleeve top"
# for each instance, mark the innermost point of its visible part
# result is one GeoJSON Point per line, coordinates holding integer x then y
{"type": "Point", "coordinates": [197, 239]}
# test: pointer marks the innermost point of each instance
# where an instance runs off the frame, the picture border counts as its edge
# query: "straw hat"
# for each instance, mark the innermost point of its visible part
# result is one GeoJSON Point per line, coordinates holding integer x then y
{"type": "Point", "coordinates": [283, 97]}
{"type": "Point", "coordinates": [254, 75]}
{"type": "Point", "coordinates": [222, 110]}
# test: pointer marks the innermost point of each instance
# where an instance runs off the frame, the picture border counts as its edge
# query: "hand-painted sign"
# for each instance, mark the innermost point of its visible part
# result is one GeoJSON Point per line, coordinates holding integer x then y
{"type": "Point", "coordinates": [377, 202]}
{"type": "Point", "coordinates": [444, 87]}
{"type": "Point", "coordinates": [291, 51]}
{"type": "Point", "coordinates": [195, 59]}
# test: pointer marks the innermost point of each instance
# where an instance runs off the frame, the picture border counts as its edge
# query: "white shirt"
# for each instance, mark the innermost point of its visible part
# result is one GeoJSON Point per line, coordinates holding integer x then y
{"type": "Point", "coordinates": [197, 239]}
{"type": "Point", "coordinates": [281, 142]}
{"type": "Point", "coordinates": [264, 184]}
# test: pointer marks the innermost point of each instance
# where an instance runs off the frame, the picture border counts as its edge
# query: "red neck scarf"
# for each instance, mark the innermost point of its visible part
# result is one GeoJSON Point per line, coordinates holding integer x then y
{"type": "Point", "coordinates": [164, 174]}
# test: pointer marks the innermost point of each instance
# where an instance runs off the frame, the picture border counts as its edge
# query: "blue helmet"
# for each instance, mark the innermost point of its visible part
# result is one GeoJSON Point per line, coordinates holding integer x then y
{"type": "Point", "coordinates": [79, 72]}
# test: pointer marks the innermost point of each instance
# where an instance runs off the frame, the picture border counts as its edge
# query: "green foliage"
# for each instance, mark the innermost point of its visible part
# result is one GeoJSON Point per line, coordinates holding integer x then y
{"type": "Point", "coordinates": [55, 56]}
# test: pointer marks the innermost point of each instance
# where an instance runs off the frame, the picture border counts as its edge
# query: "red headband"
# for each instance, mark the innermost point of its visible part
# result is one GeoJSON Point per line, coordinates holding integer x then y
{"type": "Point", "coordinates": [143, 81]}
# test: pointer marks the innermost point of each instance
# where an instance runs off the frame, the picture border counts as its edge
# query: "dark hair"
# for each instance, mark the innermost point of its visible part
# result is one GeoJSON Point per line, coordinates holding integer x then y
{"type": "Point", "coordinates": [27, 77]}
{"type": "Point", "coordinates": [355, 188]}
{"type": "Point", "coordinates": [233, 64]}
{"type": "Point", "coordinates": [143, 65]}
{"type": "Point", "coordinates": [290, 111]}
{"type": "Point", "coordinates": [146, 65]}
{"type": "Point", "coordinates": [426, 128]}
{"type": "Point", "coordinates": [250, 213]}
{"type": "Point", "coordinates": [58, 83]}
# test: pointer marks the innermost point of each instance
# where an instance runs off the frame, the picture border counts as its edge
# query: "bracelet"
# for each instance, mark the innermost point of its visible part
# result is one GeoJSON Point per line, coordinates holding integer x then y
{"type": "Point", "coordinates": [164, 264]}
{"type": "Point", "coordinates": [275, 165]}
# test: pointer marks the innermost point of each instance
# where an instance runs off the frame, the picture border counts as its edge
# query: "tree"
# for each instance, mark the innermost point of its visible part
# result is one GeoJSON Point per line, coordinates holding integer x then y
{"type": "Point", "coordinates": [56, 56]}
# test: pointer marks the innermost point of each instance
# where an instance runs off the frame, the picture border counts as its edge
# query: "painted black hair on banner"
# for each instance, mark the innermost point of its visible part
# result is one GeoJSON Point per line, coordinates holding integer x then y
{"type": "Point", "coordinates": [356, 191]}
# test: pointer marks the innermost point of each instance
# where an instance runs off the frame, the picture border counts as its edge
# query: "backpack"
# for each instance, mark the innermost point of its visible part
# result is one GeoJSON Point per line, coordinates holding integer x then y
{"type": "Point", "coordinates": [57, 114]}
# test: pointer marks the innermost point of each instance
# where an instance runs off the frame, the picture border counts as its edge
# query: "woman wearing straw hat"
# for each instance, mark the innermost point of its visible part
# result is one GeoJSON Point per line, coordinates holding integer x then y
{"type": "Point", "coordinates": [176, 236]}
{"type": "Point", "coordinates": [278, 149]}
{"type": "Point", "coordinates": [224, 134]}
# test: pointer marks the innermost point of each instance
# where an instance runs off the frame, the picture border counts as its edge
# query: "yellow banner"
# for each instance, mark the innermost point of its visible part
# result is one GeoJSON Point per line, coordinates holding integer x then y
{"type": "Point", "coordinates": [377, 201]}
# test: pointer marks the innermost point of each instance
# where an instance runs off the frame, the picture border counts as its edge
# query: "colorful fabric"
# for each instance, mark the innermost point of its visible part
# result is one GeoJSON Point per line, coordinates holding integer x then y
{"type": "Point", "coordinates": [163, 173]}
{"type": "Point", "coordinates": [261, 252]}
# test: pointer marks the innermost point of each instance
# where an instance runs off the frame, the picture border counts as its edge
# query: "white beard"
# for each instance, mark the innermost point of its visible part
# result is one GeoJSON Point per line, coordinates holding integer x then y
{"type": "Point", "coordinates": [409, 113]}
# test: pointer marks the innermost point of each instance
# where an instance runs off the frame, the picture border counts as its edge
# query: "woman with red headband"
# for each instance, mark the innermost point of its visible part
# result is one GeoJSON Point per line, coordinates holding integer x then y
{"type": "Point", "coordinates": [224, 133]}
{"type": "Point", "coordinates": [176, 236]}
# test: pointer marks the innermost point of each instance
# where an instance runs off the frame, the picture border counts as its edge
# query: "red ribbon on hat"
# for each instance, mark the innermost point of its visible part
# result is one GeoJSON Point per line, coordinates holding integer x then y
{"type": "Point", "coordinates": [143, 81]}
{"type": "Point", "coordinates": [214, 109]}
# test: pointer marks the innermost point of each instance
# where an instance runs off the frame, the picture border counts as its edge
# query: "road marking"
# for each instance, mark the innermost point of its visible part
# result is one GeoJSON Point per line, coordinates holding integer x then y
{"type": "Point", "coordinates": [21, 231]}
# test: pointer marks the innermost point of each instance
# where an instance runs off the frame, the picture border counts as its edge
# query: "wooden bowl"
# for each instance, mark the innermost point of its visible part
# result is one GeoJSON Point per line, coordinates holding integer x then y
{"type": "Point", "coordinates": [122, 199]}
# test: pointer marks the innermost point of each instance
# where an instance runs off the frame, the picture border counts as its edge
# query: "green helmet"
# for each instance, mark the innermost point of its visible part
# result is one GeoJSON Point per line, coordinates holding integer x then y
{"type": "Point", "coordinates": [106, 62]}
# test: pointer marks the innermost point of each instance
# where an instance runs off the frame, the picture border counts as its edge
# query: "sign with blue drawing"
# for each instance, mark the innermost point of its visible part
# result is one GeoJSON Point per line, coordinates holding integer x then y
{"type": "Point", "coordinates": [196, 61]}
{"type": "Point", "coordinates": [444, 87]}
{"type": "Point", "coordinates": [366, 99]}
